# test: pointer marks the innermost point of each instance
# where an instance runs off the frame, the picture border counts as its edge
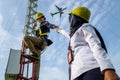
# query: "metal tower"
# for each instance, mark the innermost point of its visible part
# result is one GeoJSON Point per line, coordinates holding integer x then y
{"type": "Point", "coordinates": [30, 19]}
{"type": "Point", "coordinates": [27, 65]}
{"type": "Point", "coordinates": [21, 67]}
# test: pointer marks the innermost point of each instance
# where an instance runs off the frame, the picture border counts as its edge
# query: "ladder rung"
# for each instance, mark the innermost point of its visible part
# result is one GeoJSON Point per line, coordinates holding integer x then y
{"type": "Point", "coordinates": [25, 78]}
{"type": "Point", "coordinates": [32, 60]}
{"type": "Point", "coordinates": [29, 61]}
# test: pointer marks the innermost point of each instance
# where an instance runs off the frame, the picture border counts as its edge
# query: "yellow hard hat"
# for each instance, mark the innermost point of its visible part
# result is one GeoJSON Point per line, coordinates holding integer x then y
{"type": "Point", "coordinates": [39, 15]}
{"type": "Point", "coordinates": [82, 12]}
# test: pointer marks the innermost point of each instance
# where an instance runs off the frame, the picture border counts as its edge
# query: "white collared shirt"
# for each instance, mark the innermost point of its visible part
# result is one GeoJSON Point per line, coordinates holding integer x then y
{"type": "Point", "coordinates": [87, 51]}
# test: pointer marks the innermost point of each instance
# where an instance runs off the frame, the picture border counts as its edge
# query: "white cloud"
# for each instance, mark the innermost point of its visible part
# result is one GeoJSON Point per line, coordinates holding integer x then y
{"type": "Point", "coordinates": [14, 11]}
{"type": "Point", "coordinates": [5, 37]}
{"type": "Point", "coordinates": [1, 19]}
{"type": "Point", "coordinates": [52, 73]}
{"type": "Point", "coordinates": [7, 40]}
{"type": "Point", "coordinates": [60, 61]}
{"type": "Point", "coordinates": [100, 10]}
{"type": "Point", "coordinates": [1, 57]}
{"type": "Point", "coordinates": [49, 54]}
{"type": "Point", "coordinates": [0, 4]}
{"type": "Point", "coordinates": [2, 31]}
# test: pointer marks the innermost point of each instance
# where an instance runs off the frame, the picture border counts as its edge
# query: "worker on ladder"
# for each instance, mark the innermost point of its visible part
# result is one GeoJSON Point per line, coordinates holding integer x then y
{"type": "Point", "coordinates": [37, 43]}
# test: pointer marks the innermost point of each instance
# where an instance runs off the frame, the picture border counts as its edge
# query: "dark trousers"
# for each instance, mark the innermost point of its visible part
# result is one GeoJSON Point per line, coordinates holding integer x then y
{"type": "Point", "coordinates": [94, 74]}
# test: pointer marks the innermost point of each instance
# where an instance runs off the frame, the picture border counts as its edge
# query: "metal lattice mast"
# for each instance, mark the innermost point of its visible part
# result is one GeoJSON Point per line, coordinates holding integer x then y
{"type": "Point", "coordinates": [30, 19]}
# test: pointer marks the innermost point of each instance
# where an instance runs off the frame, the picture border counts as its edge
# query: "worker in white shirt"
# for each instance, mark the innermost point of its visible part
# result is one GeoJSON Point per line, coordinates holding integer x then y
{"type": "Point", "coordinates": [87, 54]}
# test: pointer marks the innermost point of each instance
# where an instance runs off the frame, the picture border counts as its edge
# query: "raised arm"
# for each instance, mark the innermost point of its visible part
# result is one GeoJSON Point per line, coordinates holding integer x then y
{"type": "Point", "coordinates": [63, 32]}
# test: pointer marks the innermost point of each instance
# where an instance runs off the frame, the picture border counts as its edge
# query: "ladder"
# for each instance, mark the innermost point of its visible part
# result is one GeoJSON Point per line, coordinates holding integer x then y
{"type": "Point", "coordinates": [27, 62]}
{"type": "Point", "coordinates": [24, 62]}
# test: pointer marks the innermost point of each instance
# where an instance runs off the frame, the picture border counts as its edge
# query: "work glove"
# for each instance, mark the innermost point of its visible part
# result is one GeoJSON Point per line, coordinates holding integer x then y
{"type": "Point", "coordinates": [34, 25]}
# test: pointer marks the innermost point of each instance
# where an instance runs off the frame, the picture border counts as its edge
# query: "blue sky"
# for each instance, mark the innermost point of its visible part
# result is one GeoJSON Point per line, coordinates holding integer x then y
{"type": "Point", "coordinates": [105, 17]}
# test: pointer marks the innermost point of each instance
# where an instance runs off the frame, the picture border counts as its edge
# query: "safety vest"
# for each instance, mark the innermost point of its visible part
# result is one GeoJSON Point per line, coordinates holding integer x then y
{"type": "Point", "coordinates": [42, 34]}
{"type": "Point", "coordinates": [42, 31]}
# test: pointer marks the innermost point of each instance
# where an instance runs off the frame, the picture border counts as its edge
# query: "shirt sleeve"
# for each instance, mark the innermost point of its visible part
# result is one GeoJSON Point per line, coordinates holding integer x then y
{"type": "Point", "coordinates": [65, 33]}
{"type": "Point", "coordinates": [95, 45]}
{"type": "Point", "coordinates": [49, 25]}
